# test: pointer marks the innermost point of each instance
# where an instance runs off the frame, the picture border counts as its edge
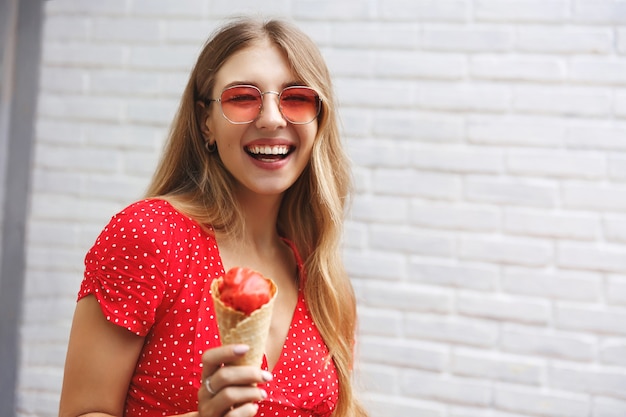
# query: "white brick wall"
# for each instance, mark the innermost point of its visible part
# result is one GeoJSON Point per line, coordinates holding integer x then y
{"type": "Point", "coordinates": [487, 241]}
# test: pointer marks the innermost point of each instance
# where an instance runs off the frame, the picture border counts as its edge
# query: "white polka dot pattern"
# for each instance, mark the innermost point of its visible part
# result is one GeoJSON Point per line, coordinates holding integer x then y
{"type": "Point", "coordinates": [151, 269]}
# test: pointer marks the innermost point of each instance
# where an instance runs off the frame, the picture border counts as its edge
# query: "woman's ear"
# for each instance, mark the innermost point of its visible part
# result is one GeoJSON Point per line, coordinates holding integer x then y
{"type": "Point", "coordinates": [204, 115]}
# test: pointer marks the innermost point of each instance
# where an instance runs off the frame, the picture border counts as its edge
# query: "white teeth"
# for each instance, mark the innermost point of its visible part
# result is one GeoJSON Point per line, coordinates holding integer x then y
{"type": "Point", "coordinates": [269, 150]}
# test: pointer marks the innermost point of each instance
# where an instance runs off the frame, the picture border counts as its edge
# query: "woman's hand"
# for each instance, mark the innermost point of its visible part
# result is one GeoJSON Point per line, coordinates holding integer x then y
{"type": "Point", "coordinates": [229, 390]}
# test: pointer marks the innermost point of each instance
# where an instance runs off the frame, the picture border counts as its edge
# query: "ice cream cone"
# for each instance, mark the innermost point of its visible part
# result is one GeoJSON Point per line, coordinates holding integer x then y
{"type": "Point", "coordinates": [237, 328]}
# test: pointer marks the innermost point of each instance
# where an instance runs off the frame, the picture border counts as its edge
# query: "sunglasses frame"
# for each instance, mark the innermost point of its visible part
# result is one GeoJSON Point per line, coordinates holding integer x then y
{"type": "Point", "coordinates": [262, 95]}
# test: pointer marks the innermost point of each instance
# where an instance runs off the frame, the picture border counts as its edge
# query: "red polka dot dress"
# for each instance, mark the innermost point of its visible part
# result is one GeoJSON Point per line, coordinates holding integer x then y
{"type": "Point", "coordinates": [151, 269]}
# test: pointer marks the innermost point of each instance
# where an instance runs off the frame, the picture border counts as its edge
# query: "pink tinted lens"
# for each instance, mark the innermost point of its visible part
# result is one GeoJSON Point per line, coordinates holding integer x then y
{"type": "Point", "coordinates": [299, 104]}
{"type": "Point", "coordinates": [241, 104]}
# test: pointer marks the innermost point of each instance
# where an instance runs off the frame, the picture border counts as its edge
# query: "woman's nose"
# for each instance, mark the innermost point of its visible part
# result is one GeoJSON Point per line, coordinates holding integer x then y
{"type": "Point", "coordinates": [270, 116]}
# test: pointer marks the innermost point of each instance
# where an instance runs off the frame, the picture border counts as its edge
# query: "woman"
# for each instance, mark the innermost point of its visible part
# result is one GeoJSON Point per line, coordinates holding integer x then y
{"type": "Point", "coordinates": [253, 175]}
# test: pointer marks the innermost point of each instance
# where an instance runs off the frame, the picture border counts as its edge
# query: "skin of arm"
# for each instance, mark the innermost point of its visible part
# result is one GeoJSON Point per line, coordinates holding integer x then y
{"type": "Point", "coordinates": [100, 362]}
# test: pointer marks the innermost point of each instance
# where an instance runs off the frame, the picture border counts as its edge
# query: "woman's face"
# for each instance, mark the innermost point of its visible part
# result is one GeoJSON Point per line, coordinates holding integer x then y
{"type": "Point", "coordinates": [267, 155]}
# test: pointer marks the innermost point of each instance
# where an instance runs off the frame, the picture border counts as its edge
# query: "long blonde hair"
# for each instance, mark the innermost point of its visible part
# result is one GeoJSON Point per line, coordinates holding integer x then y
{"type": "Point", "coordinates": [312, 210]}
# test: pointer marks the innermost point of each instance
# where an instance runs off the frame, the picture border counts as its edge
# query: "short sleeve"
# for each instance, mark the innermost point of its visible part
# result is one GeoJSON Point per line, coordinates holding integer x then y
{"type": "Point", "coordinates": [127, 266]}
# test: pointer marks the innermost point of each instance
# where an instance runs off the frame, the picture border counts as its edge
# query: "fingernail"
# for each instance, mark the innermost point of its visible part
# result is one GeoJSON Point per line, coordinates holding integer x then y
{"type": "Point", "coordinates": [267, 376]}
{"type": "Point", "coordinates": [263, 394]}
{"type": "Point", "coordinates": [241, 349]}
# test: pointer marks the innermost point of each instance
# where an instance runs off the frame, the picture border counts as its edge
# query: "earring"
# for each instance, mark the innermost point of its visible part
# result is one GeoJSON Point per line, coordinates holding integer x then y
{"type": "Point", "coordinates": [210, 146]}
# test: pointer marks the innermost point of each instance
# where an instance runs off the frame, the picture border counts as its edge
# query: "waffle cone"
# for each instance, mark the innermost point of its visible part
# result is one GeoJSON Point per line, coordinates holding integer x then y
{"type": "Point", "coordinates": [237, 328]}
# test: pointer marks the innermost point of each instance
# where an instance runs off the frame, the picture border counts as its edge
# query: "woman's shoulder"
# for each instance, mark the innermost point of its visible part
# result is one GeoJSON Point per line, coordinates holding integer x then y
{"type": "Point", "coordinates": [157, 212]}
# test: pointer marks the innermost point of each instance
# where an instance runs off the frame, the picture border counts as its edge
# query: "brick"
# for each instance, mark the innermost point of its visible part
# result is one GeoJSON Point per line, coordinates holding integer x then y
{"type": "Point", "coordinates": [411, 64]}
{"type": "Point", "coordinates": [559, 284]}
{"type": "Point", "coordinates": [504, 308]}
{"type": "Point", "coordinates": [320, 31]}
{"type": "Point", "coordinates": [81, 107]}
{"type": "Point", "coordinates": [378, 322]}
{"type": "Point", "coordinates": [120, 189]}
{"type": "Point", "coordinates": [45, 356]}
{"type": "Point", "coordinates": [536, 401]}
{"type": "Point", "coordinates": [374, 93]}
{"type": "Point", "coordinates": [436, 128]}
{"type": "Point", "coordinates": [596, 136]}
{"type": "Point", "coordinates": [172, 84]}
{"type": "Point", "coordinates": [617, 167]}
{"type": "Point", "coordinates": [591, 319]}
{"type": "Point", "coordinates": [456, 217]}
{"type": "Point", "coordinates": [529, 252]}
{"type": "Point", "coordinates": [186, 31]}
{"type": "Point", "coordinates": [552, 225]}
{"type": "Point", "coordinates": [596, 71]}
{"type": "Point", "coordinates": [485, 189]}
{"type": "Point", "coordinates": [37, 403]}
{"type": "Point", "coordinates": [564, 39]}
{"type": "Point", "coordinates": [458, 159]}
{"type": "Point", "coordinates": [591, 257]}
{"type": "Point", "coordinates": [620, 103]}
{"type": "Point", "coordinates": [328, 9]}
{"type": "Point", "coordinates": [563, 101]}
{"type": "Point", "coordinates": [64, 27]}
{"type": "Point", "coordinates": [599, 11]}
{"type": "Point", "coordinates": [404, 240]}
{"type": "Point", "coordinates": [47, 309]}
{"type": "Point", "coordinates": [157, 112]}
{"type": "Point", "coordinates": [341, 62]}
{"type": "Point", "coordinates": [39, 333]}
{"type": "Point", "coordinates": [53, 259]}
{"type": "Point", "coordinates": [44, 283]}
{"type": "Point", "coordinates": [170, 57]}
{"type": "Point", "coordinates": [407, 182]}
{"type": "Point", "coordinates": [123, 83]}
{"type": "Point", "coordinates": [406, 297]}
{"type": "Point", "coordinates": [613, 352]}
{"type": "Point", "coordinates": [378, 265]}
{"type": "Point", "coordinates": [499, 367]}
{"type": "Point", "coordinates": [594, 196]}
{"type": "Point", "coordinates": [453, 330]}
{"type": "Point", "coordinates": [84, 54]}
{"type": "Point", "coordinates": [357, 122]}
{"type": "Point", "coordinates": [544, 163]}
{"type": "Point", "coordinates": [471, 97]}
{"type": "Point", "coordinates": [588, 379]}
{"type": "Point", "coordinates": [459, 275]}
{"type": "Point", "coordinates": [380, 209]}
{"type": "Point", "coordinates": [84, 159]}
{"type": "Point", "coordinates": [527, 131]}
{"type": "Point", "coordinates": [113, 7]}
{"type": "Point", "coordinates": [547, 343]}
{"type": "Point", "coordinates": [425, 10]}
{"type": "Point", "coordinates": [399, 352]}
{"type": "Point", "coordinates": [126, 30]}
{"type": "Point", "coordinates": [363, 182]}
{"type": "Point", "coordinates": [552, 11]}
{"type": "Point", "coordinates": [616, 289]}
{"type": "Point", "coordinates": [382, 406]}
{"type": "Point", "coordinates": [608, 407]}
{"type": "Point", "coordinates": [50, 131]}
{"type": "Point", "coordinates": [380, 153]}
{"type": "Point", "coordinates": [123, 136]}
{"type": "Point", "coordinates": [467, 38]}
{"type": "Point", "coordinates": [60, 234]}
{"type": "Point", "coordinates": [164, 8]}
{"type": "Point", "coordinates": [355, 235]}
{"type": "Point", "coordinates": [517, 68]}
{"type": "Point", "coordinates": [379, 379]}
{"type": "Point", "coordinates": [63, 80]}
{"type": "Point", "coordinates": [61, 182]}
{"type": "Point", "coordinates": [375, 35]}
{"type": "Point", "coordinates": [457, 390]}
{"type": "Point", "coordinates": [621, 40]}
